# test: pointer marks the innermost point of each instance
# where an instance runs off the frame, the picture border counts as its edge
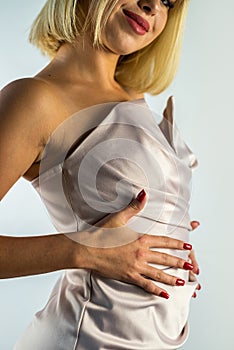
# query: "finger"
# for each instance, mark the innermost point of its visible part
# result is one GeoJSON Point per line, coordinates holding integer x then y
{"type": "Point", "coordinates": [168, 111]}
{"type": "Point", "coordinates": [194, 262]}
{"type": "Point", "coordinates": [165, 242]}
{"type": "Point", "coordinates": [158, 275]}
{"type": "Point", "coordinates": [194, 224]}
{"type": "Point", "coordinates": [121, 217]}
{"type": "Point", "coordinates": [168, 260]}
{"type": "Point", "coordinates": [192, 277]}
{"type": "Point", "coordinates": [150, 287]}
{"type": "Point", "coordinates": [134, 207]}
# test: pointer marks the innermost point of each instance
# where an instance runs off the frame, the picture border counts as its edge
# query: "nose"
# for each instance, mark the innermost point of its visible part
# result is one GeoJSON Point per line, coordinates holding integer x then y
{"type": "Point", "coordinates": [149, 6]}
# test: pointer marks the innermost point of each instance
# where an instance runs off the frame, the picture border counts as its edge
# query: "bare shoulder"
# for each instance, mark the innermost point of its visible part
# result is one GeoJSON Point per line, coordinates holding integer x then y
{"type": "Point", "coordinates": [27, 98]}
{"type": "Point", "coordinates": [26, 106]}
{"type": "Point", "coordinates": [31, 103]}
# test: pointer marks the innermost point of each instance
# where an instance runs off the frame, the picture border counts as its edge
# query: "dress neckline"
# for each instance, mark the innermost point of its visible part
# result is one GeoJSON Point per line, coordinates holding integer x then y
{"type": "Point", "coordinates": [138, 101]}
{"type": "Point", "coordinates": [142, 99]}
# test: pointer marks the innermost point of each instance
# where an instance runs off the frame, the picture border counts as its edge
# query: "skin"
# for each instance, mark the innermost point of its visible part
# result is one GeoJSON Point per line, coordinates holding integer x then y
{"type": "Point", "coordinates": [119, 37]}
{"type": "Point", "coordinates": [32, 108]}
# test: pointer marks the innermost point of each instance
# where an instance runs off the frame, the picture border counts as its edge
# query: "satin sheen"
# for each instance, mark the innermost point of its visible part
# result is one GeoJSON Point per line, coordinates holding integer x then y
{"type": "Point", "coordinates": [86, 311]}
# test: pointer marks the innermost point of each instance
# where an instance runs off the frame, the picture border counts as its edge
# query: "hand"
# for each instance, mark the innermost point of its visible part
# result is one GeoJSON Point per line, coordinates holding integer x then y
{"type": "Point", "coordinates": [196, 270]}
{"type": "Point", "coordinates": [130, 262]}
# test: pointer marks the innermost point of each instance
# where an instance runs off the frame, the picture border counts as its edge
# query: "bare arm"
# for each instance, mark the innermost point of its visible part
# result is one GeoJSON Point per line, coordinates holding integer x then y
{"type": "Point", "coordinates": [25, 108]}
{"type": "Point", "coordinates": [129, 263]}
{"type": "Point", "coordinates": [22, 116]}
{"type": "Point", "coordinates": [23, 256]}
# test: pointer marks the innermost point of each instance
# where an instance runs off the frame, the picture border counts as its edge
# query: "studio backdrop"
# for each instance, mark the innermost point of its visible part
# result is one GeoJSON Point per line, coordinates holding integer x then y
{"type": "Point", "coordinates": [203, 93]}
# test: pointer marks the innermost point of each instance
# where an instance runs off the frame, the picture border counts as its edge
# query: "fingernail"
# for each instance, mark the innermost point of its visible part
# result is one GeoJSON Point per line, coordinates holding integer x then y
{"type": "Point", "coordinates": [164, 295]}
{"type": "Point", "coordinates": [188, 266]}
{"type": "Point", "coordinates": [197, 271]}
{"type": "Point", "coordinates": [199, 287]}
{"type": "Point", "coordinates": [196, 222]}
{"type": "Point", "coordinates": [194, 295]}
{"type": "Point", "coordinates": [141, 196]}
{"type": "Point", "coordinates": [180, 282]}
{"type": "Point", "coordinates": [187, 246]}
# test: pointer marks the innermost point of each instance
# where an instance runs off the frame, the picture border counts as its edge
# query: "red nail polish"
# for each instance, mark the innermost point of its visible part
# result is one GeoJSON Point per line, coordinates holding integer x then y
{"type": "Point", "coordinates": [194, 295]}
{"type": "Point", "coordinates": [187, 246]}
{"type": "Point", "coordinates": [196, 222]}
{"type": "Point", "coordinates": [164, 295]}
{"type": "Point", "coordinates": [141, 196]}
{"type": "Point", "coordinates": [180, 282]}
{"type": "Point", "coordinates": [199, 287]}
{"type": "Point", "coordinates": [198, 271]}
{"type": "Point", "coordinates": [188, 266]}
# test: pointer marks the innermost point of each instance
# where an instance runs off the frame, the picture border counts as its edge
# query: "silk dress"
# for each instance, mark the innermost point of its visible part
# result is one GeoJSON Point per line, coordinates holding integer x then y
{"type": "Point", "coordinates": [94, 164]}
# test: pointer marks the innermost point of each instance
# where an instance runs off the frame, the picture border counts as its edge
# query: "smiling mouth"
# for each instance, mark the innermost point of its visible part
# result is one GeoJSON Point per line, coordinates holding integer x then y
{"type": "Point", "coordinates": [138, 19]}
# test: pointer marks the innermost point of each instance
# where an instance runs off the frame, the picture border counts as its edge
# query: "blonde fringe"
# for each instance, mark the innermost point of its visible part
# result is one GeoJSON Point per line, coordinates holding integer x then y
{"type": "Point", "coordinates": [149, 70]}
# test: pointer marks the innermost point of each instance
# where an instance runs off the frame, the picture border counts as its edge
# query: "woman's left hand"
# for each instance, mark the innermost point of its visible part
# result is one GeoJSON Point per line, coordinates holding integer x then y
{"type": "Point", "coordinates": [196, 270]}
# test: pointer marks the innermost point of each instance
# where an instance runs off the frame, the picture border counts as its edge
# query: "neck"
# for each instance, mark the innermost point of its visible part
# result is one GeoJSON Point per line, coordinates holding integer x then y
{"type": "Point", "coordinates": [83, 63]}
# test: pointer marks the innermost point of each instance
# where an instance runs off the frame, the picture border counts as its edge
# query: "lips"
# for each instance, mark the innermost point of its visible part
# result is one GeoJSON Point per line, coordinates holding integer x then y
{"type": "Point", "coordinates": [140, 20]}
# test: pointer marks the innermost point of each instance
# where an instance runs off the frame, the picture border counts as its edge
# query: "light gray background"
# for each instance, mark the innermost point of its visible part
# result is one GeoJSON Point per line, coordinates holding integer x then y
{"type": "Point", "coordinates": [203, 92]}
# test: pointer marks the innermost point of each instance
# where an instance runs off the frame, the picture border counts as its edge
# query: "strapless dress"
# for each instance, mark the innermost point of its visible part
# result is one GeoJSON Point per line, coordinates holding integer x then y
{"type": "Point", "coordinates": [94, 164]}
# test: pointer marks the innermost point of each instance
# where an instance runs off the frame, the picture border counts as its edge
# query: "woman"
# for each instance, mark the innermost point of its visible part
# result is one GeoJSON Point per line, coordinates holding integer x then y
{"type": "Point", "coordinates": [101, 52]}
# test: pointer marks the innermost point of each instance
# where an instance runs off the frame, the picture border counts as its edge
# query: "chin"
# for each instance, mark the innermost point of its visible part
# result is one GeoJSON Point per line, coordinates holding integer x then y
{"type": "Point", "coordinates": [122, 49]}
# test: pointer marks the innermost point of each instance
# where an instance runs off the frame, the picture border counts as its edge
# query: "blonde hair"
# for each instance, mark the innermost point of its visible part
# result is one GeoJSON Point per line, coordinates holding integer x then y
{"type": "Point", "coordinates": [148, 70]}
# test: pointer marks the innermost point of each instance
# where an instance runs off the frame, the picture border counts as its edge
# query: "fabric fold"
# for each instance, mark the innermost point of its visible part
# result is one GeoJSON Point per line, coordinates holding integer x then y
{"type": "Point", "coordinates": [83, 179]}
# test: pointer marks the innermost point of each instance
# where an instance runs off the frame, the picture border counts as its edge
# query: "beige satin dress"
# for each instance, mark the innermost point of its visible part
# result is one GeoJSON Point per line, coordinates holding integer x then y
{"type": "Point", "coordinates": [94, 164]}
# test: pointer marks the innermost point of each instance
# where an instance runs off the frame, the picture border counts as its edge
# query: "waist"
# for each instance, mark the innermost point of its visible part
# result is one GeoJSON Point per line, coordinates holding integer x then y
{"type": "Point", "coordinates": [156, 228]}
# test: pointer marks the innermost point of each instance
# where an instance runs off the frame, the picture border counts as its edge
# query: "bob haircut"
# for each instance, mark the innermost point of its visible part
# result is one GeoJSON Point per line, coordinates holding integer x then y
{"type": "Point", "coordinates": [148, 70]}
